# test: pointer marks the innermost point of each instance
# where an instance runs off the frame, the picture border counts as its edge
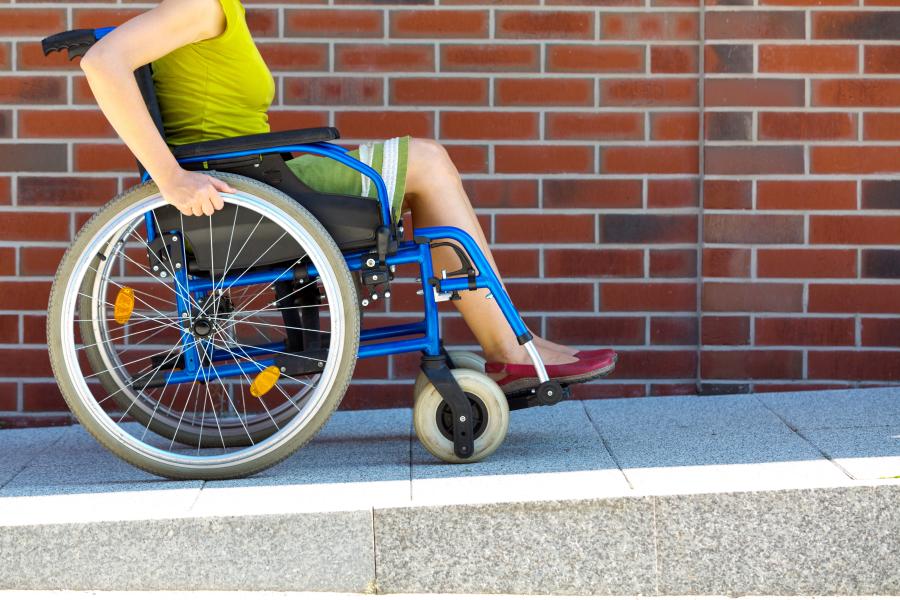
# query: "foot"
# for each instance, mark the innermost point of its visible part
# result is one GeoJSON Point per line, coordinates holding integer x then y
{"type": "Point", "coordinates": [516, 378]}
{"type": "Point", "coordinates": [543, 344]}
{"type": "Point", "coordinates": [520, 356]}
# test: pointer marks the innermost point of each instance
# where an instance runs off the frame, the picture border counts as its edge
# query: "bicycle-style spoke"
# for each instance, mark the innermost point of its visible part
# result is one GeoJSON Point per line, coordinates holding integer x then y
{"type": "Point", "coordinates": [246, 356]}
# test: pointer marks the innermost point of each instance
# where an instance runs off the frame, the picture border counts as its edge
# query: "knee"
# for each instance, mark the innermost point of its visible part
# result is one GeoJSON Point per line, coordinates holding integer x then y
{"type": "Point", "coordinates": [429, 156]}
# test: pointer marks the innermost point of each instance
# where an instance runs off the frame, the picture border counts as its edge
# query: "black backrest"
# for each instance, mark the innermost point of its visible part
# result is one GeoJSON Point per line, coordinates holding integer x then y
{"type": "Point", "coordinates": [144, 77]}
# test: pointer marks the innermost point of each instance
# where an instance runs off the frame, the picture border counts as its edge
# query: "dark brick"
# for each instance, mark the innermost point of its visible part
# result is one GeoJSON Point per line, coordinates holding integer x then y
{"type": "Point", "coordinates": [729, 58]}
{"type": "Point", "coordinates": [884, 264]}
{"type": "Point", "coordinates": [34, 157]}
{"type": "Point", "coordinates": [5, 123]}
{"type": "Point", "coordinates": [857, 25]}
{"type": "Point", "coordinates": [32, 90]}
{"type": "Point", "coordinates": [648, 229]}
{"type": "Point", "coordinates": [755, 24]}
{"type": "Point", "coordinates": [65, 191]}
{"type": "Point", "coordinates": [728, 125]}
{"type": "Point", "coordinates": [721, 389]}
{"type": "Point", "coordinates": [881, 194]}
{"type": "Point", "coordinates": [753, 229]}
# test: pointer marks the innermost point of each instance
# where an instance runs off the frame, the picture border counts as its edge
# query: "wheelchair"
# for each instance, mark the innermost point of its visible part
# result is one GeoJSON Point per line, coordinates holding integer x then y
{"type": "Point", "coordinates": [215, 347]}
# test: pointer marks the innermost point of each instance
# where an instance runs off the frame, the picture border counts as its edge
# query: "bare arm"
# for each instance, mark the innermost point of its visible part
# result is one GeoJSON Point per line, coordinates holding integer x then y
{"type": "Point", "coordinates": [109, 66]}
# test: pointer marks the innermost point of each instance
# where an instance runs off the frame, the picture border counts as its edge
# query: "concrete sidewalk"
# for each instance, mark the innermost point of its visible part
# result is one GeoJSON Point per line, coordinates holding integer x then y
{"type": "Point", "coordinates": [753, 494]}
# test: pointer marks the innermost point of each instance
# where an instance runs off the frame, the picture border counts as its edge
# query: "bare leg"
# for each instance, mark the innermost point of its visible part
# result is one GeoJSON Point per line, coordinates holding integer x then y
{"type": "Point", "coordinates": [436, 197]}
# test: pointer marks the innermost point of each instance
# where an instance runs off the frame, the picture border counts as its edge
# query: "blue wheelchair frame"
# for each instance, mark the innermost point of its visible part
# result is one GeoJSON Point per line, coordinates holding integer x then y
{"type": "Point", "coordinates": [418, 252]}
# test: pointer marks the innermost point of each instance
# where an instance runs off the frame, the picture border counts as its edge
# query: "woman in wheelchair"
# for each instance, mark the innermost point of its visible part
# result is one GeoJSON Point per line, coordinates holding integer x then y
{"type": "Point", "coordinates": [213, 91]}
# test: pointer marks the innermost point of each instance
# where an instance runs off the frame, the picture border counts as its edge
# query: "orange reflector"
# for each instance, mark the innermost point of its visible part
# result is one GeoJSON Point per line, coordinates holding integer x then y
{"type": "Point", "coordinates": [264, 382]}
{"type": "Point", "coordinates": [124, 305]}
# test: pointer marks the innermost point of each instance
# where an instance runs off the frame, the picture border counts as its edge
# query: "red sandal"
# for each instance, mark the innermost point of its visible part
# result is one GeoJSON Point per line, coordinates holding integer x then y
{"type": "Point", "coordinates": [523, 377]}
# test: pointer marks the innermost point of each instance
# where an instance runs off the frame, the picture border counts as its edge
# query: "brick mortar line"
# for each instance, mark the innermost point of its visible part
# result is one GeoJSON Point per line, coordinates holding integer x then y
{"type": "Point", "coordinates": [701, 197]}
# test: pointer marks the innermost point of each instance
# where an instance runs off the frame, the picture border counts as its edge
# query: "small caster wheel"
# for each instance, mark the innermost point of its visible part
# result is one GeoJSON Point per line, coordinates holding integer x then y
{"type": "Point", "coordinates": [461, 359]}
{"type": "Point", "coordinates": [433, 419]}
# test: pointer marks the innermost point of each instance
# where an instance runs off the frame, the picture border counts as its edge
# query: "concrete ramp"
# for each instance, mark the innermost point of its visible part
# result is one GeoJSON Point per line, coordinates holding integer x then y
{"type": "Point", "coordinates": [767, 494]}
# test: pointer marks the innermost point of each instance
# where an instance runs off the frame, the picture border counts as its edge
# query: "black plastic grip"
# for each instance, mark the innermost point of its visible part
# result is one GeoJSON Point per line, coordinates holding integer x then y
{"type": "Point", "coordinates": [76, 42]}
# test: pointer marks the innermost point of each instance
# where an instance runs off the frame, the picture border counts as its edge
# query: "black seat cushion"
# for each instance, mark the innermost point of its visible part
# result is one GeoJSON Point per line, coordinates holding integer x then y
{"type": "Point", "coordinates": [351, 220]}
{"type": "Point", "coordinates": [260, 142]}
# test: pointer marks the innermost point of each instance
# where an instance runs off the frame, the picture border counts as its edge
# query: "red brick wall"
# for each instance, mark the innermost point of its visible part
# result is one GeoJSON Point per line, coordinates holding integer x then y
{"type": "Point", "coordinates": [801, 189]}
{"type": "Point", "coordinates": [577, 125]}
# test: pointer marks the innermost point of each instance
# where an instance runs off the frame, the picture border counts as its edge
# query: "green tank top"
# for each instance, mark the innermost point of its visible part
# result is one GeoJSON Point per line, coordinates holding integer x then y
{"type": "Point", "coordinates": [215, 88]}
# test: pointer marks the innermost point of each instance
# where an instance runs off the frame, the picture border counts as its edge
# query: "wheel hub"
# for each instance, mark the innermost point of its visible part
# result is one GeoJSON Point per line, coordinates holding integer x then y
{"type": "Point", "coordinates": [202, 328]}
{"type": "Point", "coordinates": [479, 414]}
{"type": "Point", "coordinates": [215, 309]}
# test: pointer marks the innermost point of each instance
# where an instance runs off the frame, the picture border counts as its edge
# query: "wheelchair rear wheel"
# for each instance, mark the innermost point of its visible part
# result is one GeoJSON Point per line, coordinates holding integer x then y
{"type": "Point", "coordinates": [179, 356]}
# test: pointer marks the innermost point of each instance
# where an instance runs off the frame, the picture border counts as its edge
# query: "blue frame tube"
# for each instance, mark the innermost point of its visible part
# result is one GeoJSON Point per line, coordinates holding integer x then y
{"type": "Point", "coordinates": [236, 368]}
{"type": "Point", "coordinates": [487, 275]}
{"type": "Point", "coordinates": [380, 333]}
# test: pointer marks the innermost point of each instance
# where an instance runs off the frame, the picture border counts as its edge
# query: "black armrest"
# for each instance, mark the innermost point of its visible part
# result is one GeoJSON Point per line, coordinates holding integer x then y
{"type": "Point", "coordinates": [260, 142]}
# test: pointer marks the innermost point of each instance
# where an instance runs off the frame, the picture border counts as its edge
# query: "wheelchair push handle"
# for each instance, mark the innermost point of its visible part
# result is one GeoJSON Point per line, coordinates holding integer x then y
{"type": "Point", "coordinates": [76, 41]}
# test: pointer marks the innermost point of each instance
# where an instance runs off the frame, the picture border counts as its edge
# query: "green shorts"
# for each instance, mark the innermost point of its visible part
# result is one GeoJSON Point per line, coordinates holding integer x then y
{"type": "Point", "coordinates": [328, 176]}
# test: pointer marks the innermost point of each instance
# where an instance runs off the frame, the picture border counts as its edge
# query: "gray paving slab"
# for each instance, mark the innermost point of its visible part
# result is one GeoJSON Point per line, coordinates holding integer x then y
{"type": "Point", "coordinates": [708, 444]}
{"type": "Point", "coordinates": [583, 547]}
{"type": "Point", "coordinates": [74, 447]}
{"type": "Point", "coordinates": [829, 409]}
{"type": "Point", "coordinates": [21, 447]}
{"type": "Point", "coordinates": [549, 453]}
{"type": "Point", "coordinates": [631, 417]}
{"type": "Point", "coordinates": [352, 446]}
{"type": "Point", "coordinates": [864, 452]}
{"type": "Point", "coordinates": [821, 541]}
{"type": "Point", "coordinates": [358, 460]}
